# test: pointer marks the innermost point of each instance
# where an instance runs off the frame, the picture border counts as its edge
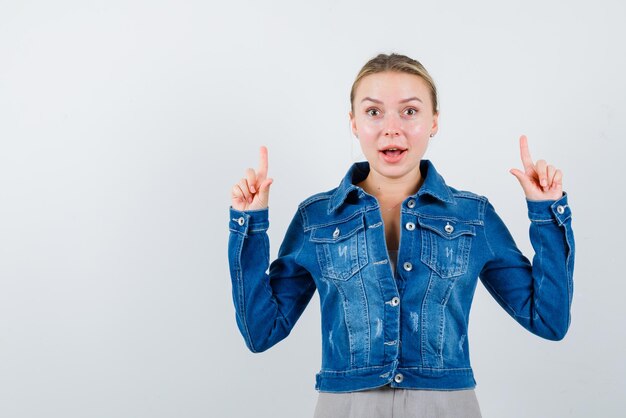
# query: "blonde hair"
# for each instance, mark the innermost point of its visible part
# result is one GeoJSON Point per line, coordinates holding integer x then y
{"type": "Point", "coordinates": [398, 63]}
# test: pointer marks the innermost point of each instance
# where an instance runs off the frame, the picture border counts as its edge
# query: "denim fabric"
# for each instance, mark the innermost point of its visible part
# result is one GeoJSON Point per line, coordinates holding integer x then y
{"type": "Point", "coordinates": [407, 329]}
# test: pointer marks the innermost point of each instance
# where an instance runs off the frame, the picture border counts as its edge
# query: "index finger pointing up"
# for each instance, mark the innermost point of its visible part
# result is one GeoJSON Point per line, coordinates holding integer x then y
{"type": "Point", "coordinates": [262, 174]}
{"type": "Point", "coordinates": [527, 161]}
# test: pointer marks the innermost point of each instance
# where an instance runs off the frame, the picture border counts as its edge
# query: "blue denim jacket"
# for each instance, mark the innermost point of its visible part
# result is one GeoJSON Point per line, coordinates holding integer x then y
{"type": "Point", "coordinates": [408, 328]}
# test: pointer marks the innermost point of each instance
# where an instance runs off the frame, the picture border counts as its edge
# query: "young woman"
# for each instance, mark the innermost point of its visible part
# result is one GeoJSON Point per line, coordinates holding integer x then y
{"type": "Point", "coordinates": [395, 254]}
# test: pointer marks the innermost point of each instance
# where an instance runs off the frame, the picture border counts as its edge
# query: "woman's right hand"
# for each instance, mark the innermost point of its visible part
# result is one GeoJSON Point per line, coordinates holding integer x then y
{"type": "Point", "coordinates": [253, 191]}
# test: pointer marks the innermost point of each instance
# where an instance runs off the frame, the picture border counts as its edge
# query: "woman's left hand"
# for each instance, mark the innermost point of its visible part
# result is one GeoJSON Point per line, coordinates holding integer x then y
{"type": "Point", "coordinates": [539, 180]}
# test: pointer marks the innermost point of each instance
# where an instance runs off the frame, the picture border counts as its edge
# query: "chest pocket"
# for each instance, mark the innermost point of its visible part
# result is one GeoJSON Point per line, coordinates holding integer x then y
{"type": "Point", "coordinates": [446, 245]}
{"type": "Point", "coordinates": [341, 248]}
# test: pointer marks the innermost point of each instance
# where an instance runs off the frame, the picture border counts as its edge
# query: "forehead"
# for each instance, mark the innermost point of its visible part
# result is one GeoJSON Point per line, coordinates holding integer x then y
{"type": "Point", "coordinates": [389, 86]}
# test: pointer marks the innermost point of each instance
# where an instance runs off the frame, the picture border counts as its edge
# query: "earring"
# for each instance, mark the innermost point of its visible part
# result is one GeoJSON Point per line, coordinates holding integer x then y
{"type": "Point", "coordinates": [431, 135]}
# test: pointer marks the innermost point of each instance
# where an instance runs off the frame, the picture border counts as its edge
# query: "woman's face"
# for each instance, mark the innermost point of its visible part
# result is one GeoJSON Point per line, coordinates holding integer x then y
{"type": "Point", "coordinates": [393, 119]}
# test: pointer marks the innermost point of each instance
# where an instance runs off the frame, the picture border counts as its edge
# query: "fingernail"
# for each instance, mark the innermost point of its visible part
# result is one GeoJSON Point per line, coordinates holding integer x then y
{"type": "Point", "coordinates": [544, 182]}
{"type": "Point", "coordinates": [252, 189]}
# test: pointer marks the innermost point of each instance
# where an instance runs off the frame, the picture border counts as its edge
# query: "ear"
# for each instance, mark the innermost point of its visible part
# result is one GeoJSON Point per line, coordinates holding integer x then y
{"type": "Point", "coordinates": [435, 126]}
{"type": "Point", "coordinates": [353, 124]}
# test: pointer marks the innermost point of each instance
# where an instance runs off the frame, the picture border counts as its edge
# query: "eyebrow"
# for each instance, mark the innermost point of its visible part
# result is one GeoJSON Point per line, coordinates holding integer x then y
{"type": "Point", "coordinates": [410, 99]}
{"type": "Point", "coordinates": [401, 101]}
{"type": "Point", "coordinates": [371, 100]}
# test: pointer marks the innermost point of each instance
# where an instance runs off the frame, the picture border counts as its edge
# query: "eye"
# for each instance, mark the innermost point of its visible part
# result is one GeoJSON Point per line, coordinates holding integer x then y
{"type": "Point", "coordinates": [410, 111]}
{"type": "Point", "coordinates": [373, 112]}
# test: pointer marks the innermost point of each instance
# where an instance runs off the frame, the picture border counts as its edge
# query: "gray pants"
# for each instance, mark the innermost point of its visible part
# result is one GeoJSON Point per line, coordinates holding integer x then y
{"type": "Point", "coordinates": [387, 402]}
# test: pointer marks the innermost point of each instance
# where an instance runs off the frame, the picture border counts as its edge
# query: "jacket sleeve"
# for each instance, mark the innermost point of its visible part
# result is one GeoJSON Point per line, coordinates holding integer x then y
{"type": "Point", "coordinates": [267, 305]}
{"type": "Point", "coordinates": [537, 295]}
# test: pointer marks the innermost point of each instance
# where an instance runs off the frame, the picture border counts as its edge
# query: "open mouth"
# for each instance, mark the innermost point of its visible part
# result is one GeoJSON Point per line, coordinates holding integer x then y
{"type": "Point", "coordinates": [393, 152]}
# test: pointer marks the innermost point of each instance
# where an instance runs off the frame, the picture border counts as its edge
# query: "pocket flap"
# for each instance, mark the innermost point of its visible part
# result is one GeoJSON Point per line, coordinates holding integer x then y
{"type": "Point", "coordinates": [447, 228]}
{"type": "Point", "coordinates": [337, 232]}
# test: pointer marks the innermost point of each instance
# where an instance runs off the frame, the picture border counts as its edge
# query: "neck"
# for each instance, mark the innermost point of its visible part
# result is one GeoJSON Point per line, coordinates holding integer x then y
{"type": "Point", "coordinates": [395, 189]}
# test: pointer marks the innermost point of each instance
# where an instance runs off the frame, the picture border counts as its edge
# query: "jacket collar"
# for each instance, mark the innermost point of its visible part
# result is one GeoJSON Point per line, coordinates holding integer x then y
{"type": "Point", "coordinates": [433, 185]}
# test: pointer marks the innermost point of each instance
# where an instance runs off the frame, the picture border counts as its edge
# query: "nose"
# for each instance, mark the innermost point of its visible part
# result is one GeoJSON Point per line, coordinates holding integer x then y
{"type": "Point", "coordinates": [393, 126]}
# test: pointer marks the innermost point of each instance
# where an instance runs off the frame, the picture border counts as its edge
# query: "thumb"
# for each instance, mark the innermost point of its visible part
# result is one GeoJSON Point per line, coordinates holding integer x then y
{"type": "Point", "coordinates": [264, 189]}
{"type": "Point", "coordinates": [524, 181]}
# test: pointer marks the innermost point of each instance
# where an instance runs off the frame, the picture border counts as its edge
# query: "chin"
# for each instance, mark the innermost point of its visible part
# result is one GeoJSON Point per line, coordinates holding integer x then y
{"type": "Point", "coordinates": [396, 172]}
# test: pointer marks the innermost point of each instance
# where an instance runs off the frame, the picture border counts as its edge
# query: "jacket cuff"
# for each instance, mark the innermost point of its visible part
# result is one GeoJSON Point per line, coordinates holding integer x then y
{"type": "Point", "coordinates": [549, 210]}
{"type": "Point", "coordinates": [249, 221]}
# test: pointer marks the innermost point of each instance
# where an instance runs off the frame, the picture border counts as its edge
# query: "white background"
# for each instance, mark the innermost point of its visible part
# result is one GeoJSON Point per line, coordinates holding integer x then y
{"type": "Point", "coordinates": [124, 124]}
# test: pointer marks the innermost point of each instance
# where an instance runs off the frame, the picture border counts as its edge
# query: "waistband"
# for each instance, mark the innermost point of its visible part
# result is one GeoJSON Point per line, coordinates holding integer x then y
{"type": "Point", "coordinates": [396, 376]}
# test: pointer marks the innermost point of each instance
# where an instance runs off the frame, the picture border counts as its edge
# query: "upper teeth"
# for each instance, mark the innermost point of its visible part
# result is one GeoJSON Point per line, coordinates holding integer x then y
{"type": "Point", "coordinates": [392, 149]}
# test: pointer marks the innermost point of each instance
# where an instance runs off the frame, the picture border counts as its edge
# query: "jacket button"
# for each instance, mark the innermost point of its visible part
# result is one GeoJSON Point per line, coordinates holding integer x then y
{"type": "Point", "coordinates": [241, 221]}
{"type": "Point", "coordinates": [408, 266]}
{"type": "Point", "coordinates": [449, 228]}
{"type": "Point", "coordinates": [336, 233]}
{"type": "Point", "coordinates": [560, 209]}
{"type": "Point", "coordinates": [398, 378]}
{"type": "Point", "coordinates": [395, 301]}
{"type": "Point", "coordinates": [410, 226]}
{"type": "Point", "coordinates": [411, 204]}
